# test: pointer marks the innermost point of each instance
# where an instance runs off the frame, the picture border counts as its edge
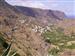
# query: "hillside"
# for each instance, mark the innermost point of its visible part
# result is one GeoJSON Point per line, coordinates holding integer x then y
{"type": "Point", "coordinates": [26, 41]}
{"type": "Point", "coordinates": [26, 26]}
{"type": "Point", "coordinates": [42, 15]}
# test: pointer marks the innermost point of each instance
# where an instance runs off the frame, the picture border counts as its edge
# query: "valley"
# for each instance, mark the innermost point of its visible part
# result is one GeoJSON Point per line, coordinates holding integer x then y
{"type": "Point", "coordinates": [28, 31]}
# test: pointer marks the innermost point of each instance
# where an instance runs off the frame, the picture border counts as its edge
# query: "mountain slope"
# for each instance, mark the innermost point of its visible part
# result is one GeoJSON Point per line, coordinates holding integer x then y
{"type": "Point", "coordinates": [42, 15]}
{"type": "Point", "coordinates": [35, 12]}
{"type": "Point", "coordinates": [27, 42]}
{"type": "Point", "coordinates": [25, 25]}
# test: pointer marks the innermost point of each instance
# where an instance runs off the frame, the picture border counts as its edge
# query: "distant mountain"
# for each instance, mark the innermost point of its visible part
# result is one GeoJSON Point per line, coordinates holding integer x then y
{"type": "Point", "coordinates": [71, 17]}
{"type": "Point", "coordinates": [42, 15]}
{"type": "Point", "coordinates": [36, 12]}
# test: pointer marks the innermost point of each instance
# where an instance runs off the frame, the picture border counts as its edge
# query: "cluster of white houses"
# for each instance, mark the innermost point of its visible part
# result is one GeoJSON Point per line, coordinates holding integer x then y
{"type": "Point", "coordinates": [40, 29]}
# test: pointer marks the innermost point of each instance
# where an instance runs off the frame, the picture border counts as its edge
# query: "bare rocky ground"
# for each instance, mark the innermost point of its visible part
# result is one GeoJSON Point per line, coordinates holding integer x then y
{"type": "Point", "coordinates": [26, 42]}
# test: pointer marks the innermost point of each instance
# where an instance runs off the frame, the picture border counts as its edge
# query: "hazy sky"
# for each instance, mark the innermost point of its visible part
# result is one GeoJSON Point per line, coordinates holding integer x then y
{"type": "Point", "coordinates": [67, 6]}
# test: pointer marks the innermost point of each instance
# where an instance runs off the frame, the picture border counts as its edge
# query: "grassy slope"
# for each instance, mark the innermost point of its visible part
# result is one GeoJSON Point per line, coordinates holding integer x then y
{"type": "Point", "coordinates": [61, 41]}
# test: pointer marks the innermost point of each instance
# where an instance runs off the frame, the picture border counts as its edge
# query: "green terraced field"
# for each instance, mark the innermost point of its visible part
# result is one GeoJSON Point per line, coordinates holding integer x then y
{"type": "Point", "coordinates": [59, 39]}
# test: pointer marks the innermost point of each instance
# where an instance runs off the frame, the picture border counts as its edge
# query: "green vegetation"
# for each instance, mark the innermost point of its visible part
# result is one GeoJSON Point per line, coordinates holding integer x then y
{"type": "Point", "coordinates": [7, 52]}
{"type": "Point", "coordinates": [7, 47]}
{"type": "Point", "coordinates": [53, 52]}
{"type": "Point", "coordinates": [3, 41]}
{"type": "Point", "coordinates": [58, 38]}
{"type": "Point", "coordinates": [71, 46]}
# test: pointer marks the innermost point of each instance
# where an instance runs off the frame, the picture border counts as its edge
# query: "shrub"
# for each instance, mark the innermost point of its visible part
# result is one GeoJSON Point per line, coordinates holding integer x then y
{"type": "Point", "coordinates": [7, 47]}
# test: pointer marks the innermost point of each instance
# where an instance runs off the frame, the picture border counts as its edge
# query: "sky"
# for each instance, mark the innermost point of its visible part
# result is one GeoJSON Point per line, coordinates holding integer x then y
{"type": "Point", "coordinates": [67, 6]}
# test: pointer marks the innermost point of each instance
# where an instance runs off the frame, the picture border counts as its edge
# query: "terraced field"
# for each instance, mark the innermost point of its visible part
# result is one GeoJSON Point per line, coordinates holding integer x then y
{"type": "Point", "coordinates": [59, 41]}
